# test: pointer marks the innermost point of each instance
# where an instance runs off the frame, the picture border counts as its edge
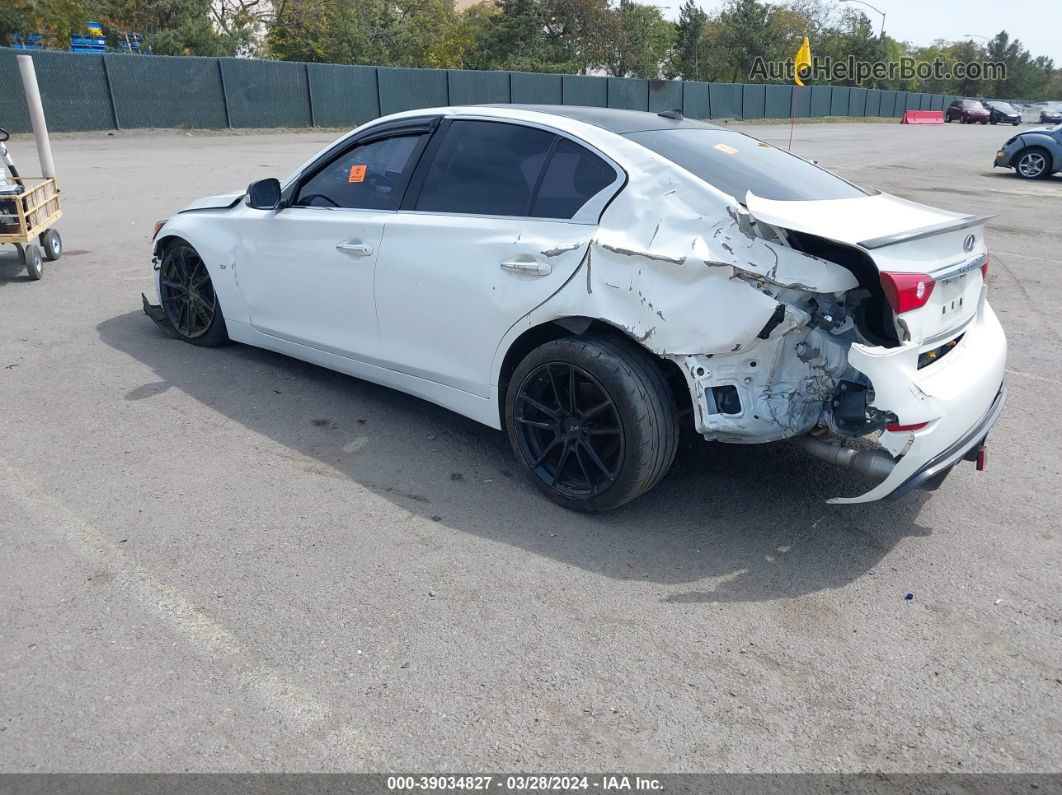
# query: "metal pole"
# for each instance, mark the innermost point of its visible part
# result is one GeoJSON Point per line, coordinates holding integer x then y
{"type": "Point", "coordinates": [36, 112]}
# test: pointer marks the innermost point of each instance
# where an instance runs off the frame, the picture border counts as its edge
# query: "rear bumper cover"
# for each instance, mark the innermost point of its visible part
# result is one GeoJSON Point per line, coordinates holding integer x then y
{"type": "Point", "coordinates": [958, 397]}
{"type": "Point", "coordinates": [934, 470]}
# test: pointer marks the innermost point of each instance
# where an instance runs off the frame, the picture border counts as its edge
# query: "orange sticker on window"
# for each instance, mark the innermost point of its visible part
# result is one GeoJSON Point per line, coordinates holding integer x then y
{"type": "Point", "coordinates": [357, 174]}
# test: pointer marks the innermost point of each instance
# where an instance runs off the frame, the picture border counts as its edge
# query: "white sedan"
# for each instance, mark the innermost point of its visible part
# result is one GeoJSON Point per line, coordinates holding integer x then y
{"type": "Point", "coordinates": [590, 280]}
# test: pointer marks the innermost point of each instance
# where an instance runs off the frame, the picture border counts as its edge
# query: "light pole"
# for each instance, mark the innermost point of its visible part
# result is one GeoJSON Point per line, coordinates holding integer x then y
{"type": "Point", "coordinates": [872, 8]}
{"type": "Point", "coordinates": [971, 35]}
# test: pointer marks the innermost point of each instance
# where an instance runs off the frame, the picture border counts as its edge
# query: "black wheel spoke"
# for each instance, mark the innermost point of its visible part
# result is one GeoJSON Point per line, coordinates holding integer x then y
{"type": "Point", "coordinates": [604, 432]}
{"type": "Point", "coordinates": [565, 453]}
{"type": "Point", "coordinates": [596, 459]}
{"type": "Point", "coordinates": [548, 449]}
{"type": "Point", "coordinates": [582, 466]}
{"type": "Point", "coordinates": [574, 451]}
{"type": "Point", "coordinates": [547, 426]}
{"type": "Point", "coordinates": [591, 413]}
{"type": "Point", "coordinates": [553, 383]}
{"type": "Point", "coordinates": [539, 406]}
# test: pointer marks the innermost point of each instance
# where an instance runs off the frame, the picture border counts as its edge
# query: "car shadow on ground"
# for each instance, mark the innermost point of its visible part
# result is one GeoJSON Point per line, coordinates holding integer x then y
{"type": "Point", "coordinates": [11, 268]}
{"type": "Point", "coordinates": [751, 520]}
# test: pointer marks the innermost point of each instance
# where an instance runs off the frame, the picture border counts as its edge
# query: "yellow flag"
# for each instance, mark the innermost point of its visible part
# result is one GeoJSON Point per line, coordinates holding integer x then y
{"type": "Point", "coordinates": [802, 61]}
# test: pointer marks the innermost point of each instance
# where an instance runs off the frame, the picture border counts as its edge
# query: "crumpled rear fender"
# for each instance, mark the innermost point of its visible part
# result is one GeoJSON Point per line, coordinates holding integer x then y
{"type": "Point", "coordinates": [686, 279]}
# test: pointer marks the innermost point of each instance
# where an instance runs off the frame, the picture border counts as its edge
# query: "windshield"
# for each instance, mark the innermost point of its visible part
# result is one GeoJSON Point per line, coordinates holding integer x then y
{"type": "Point", "coordinates": [1004, 106]}
{"type": "Point", "coordinates": [736, 164]}
{"type": "Point", "coordinates": [973, 104]}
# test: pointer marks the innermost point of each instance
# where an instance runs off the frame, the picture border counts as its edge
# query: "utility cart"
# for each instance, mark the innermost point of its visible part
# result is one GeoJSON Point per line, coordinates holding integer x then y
{"type": "Point", "coordinates": [29, 209]}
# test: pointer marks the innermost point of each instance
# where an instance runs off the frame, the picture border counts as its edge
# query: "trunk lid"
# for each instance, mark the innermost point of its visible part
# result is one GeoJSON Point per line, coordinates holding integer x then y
{"type": "Point", "coordinates": [900, 236]}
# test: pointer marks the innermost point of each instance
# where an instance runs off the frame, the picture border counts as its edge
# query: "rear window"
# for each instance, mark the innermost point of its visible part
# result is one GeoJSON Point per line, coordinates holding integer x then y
{"type": "Point", "coordinates": [736, 164]}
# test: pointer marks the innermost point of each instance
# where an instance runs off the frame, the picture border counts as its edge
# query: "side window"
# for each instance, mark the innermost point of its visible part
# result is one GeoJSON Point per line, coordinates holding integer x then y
{"type": "Point", "coordinates": [573, 175]}
{"type": "Point", "coordinates": [370, 176]}
{"type": "Point", "coordinates": [485, 168]}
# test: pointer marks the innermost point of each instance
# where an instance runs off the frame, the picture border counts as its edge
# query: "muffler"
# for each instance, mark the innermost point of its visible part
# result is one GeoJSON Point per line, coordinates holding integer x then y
{"type": "Point", "coordinates": [873, 464]}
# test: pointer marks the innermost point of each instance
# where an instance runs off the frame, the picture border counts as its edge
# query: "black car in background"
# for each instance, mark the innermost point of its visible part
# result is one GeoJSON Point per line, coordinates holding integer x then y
{"type": "Point", "coordinates": [1050, 112]}
{"type": "Point", "coordinates": [1003, 112]}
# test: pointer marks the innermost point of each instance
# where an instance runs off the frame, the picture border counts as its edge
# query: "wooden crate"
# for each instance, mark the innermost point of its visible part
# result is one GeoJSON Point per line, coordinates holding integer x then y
{"type": "Point", "coordinates": [25, 216]}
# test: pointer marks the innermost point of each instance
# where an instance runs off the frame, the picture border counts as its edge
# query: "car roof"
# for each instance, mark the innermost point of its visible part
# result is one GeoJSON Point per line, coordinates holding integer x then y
{"type": "Point", "coordinates": [614, 119]}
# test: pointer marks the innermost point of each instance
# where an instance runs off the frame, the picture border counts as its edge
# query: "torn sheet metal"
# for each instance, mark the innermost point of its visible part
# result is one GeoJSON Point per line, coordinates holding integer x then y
{"type": "Point", "coordinates": [660, 261]}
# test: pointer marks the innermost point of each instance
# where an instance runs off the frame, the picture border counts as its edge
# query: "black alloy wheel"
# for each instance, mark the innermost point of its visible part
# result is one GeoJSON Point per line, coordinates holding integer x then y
{"type": "Point", "coordinates": [569, 429]}
{"type": "Point", "coordinates": [188, 297]}
{"type": "Point", "coordinates": [592, 419]}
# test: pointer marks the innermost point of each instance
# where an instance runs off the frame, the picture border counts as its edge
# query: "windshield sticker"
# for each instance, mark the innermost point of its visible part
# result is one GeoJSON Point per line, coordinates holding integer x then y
{"type": "Point", "coordinates": [726, 149]}
{"type": "Point", "coordinates": [357, 174]}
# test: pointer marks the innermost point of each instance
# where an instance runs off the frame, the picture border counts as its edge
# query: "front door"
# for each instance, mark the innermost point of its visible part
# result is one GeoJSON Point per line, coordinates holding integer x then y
{"type": "Point", "coordinates": [307, 270]}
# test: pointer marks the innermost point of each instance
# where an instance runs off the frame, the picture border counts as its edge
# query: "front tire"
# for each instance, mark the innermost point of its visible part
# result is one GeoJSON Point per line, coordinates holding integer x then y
{"type": "Point", "coordinates": [1033, 163]}
{"type": "Point", "coordinates": [592, 420]}
{"type": "Point", "coordinates": [33, 259]}
{"type": "Point", "coordinates": [188, 297]}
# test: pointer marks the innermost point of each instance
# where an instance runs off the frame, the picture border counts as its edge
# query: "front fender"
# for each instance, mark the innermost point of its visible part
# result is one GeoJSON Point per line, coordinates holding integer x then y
{"type": "Point", "coordinates": [1047, 142]}
{"type": "Point", "coordinates": [213, 235]}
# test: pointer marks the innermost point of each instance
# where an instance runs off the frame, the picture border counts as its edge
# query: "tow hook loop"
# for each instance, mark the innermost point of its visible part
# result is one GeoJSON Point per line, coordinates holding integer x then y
{"type": "Point", "coordinates": [982, 459]}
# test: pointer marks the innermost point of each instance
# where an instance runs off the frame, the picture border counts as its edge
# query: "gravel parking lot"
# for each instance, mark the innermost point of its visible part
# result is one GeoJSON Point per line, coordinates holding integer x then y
{"type": "Point", "coordinates": [228, 560]}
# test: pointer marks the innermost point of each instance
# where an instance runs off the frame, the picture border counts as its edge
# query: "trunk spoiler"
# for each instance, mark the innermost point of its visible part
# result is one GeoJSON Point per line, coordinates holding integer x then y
{"type": "Point", "coordinates": [868, 222]}
{"type": "Point", "coordinates": [925, 231]}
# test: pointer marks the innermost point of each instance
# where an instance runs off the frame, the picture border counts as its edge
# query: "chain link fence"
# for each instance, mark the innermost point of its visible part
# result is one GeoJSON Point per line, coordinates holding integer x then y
{"type": "Point", "coordinates": [120, 91]}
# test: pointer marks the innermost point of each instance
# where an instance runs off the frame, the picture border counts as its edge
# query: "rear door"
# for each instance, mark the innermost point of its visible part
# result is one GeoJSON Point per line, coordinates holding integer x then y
{"type": "Point", "coordinates": [498, 217]}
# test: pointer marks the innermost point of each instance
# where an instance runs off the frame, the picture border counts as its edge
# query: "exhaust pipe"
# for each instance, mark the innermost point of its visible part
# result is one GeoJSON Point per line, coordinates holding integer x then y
{"type": "Point", "coordinates": [873, 464]}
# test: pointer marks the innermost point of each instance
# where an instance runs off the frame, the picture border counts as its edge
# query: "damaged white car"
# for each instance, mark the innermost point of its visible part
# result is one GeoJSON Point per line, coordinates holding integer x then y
{"type": "Point", "coordinates": [589, 279]}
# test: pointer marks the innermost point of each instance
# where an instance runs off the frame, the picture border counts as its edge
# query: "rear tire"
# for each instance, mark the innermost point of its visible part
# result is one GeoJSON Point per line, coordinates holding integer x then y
{"type": "Point", "coordinates": [592, 420]}
{"type": "Point", "coordinates": [52, 244]}
{"type": "Point", "coordinates": [188, 299]}
{"type": "Point", "coordinates": [33, 259]}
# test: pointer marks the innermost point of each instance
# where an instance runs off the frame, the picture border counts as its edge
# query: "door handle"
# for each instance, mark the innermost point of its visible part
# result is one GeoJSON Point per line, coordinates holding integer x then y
{"type": "Point", "coordinates": [357, 247]}
{"type": "Point", "coordinates": [532, 268]}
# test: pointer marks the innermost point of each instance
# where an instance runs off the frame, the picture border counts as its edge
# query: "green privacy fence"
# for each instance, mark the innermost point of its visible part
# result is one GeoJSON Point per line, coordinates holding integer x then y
{"type": "Point", "coordinates": [118, 91]}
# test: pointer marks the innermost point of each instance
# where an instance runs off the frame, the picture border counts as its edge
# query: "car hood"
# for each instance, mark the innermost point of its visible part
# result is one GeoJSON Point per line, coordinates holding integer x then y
{"type": "Point", "coordinates": [853, 221]}
{"type": "Point", "coordinates": [220, 202]}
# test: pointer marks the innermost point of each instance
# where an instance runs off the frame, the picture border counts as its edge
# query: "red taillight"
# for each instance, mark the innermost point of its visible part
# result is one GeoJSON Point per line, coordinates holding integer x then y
{"type": "Point", "coordinates": [984, 267]}
{"type": "Point", "coordinates": [907, 291]}
{"type": "Point", "coordinates": [895, 426]}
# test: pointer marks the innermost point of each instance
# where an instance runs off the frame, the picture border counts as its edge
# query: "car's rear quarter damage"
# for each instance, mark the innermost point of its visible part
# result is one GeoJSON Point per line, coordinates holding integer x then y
{"type": "Point", "coordinates": [781, 325]}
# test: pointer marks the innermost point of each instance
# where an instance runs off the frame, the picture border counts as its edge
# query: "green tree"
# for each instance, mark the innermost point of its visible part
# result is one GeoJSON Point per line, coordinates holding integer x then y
{"type": "Point", "coordinates": [745, 36]}
{"type": "Point", "coordinates": [642, 41]}
{"type": "Point", "coordinates": [687, 59]}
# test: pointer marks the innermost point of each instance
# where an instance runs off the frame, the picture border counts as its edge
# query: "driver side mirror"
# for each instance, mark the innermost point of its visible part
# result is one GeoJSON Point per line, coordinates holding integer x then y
{"type": "Point", "coordinates": [264, 194]}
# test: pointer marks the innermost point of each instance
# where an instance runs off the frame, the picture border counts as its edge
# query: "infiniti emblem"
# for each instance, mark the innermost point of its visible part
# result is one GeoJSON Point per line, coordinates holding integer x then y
{"type": "Point", "coordinates": [968, 243]}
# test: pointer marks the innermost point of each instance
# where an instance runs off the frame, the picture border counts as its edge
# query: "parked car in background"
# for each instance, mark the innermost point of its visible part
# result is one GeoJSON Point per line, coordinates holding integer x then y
{"type": "Point", "coordinates": [968, 111]}
{"type": "Point", "coordinates": [1050, 112]}
{"type": "Point", "coordinates": [1003, 112]}
{"type": "Point", "coordinates": [1033, 154]}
